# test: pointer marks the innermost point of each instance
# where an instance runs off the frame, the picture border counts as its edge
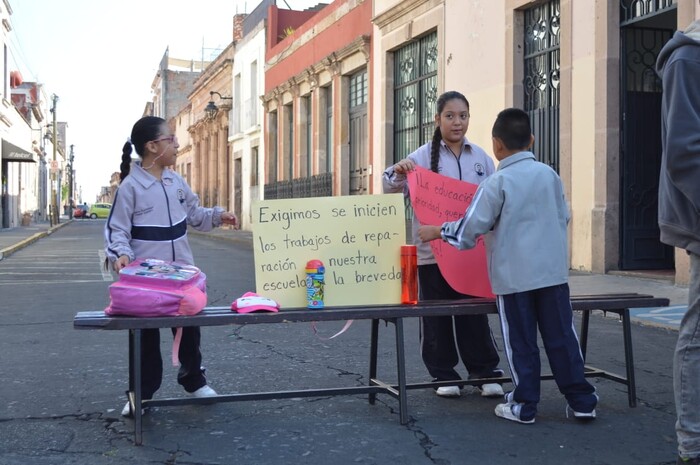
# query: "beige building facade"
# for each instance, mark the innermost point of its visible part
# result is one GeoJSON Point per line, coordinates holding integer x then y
{"type": "Point", "coordinates": [582, 69]}
{"type": "Point", "coordinates": [211, 154]}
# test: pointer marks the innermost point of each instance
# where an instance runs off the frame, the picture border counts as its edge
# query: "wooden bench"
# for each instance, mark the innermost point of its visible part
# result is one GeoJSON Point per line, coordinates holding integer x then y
{"type": "Point", "coordinates": [220, 316]}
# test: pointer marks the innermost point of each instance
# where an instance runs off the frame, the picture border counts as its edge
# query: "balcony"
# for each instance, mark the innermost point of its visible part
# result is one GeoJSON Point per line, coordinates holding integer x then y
{"type": "Point", "coordinates": [320, 185]}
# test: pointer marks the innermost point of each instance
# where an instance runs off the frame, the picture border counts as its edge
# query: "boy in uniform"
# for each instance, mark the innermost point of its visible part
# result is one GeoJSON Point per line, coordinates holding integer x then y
{"type": "Point", "coordinates": [523, 215]}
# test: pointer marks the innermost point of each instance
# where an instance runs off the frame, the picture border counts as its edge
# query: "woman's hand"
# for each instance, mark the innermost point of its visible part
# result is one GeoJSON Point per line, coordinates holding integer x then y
{"type": "Point", "coordinates": [429, 233]}
{"type": "Point", "coordinates": [230, 218]}
{"type": "Point", "coordinates": [120, 263]}
{"type": "Point", "coordinates": [404, 166]}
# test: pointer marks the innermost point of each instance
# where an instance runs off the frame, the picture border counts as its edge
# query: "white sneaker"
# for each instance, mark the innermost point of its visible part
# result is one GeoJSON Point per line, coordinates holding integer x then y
{"type": "Point", "coordinates": [506, 411]}
{"type": "Point", "coordinates": [491, 390]}
{"type": "Point", "coordinates": [580, 415]}
{"type": "Point", "coordinates": [204, 391]}
{"type": "Point", "coordinates": [448, 391]}
{"type": "Point", "coordinates": [126, 411]}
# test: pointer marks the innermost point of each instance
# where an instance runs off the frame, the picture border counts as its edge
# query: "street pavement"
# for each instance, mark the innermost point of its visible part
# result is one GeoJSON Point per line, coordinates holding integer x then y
{"type": "Point", "coordinates": [62, 389]}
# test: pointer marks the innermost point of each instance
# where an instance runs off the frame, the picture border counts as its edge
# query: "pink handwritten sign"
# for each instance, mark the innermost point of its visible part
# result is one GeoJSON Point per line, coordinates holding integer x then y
{"type": "Point", "coordinates": [436, 199]}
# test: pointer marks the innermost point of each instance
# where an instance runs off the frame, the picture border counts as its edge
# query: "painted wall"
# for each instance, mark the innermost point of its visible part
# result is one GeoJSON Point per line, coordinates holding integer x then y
{"type": "Point", "coordinates": [480, 55]}
{"type": "Point", "coordinates": [251, 49]}
{"type": "Point", "coordinates": [316, 39]}
{"type": "Point", "coordinates": [583, 67]}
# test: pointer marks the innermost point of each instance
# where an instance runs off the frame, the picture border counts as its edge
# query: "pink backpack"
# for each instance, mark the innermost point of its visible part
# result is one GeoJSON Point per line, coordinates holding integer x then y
{"type": "Point", "coordinates": [150, 287]}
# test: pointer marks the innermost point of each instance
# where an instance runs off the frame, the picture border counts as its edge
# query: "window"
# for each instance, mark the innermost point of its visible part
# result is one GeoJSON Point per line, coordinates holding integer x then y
{"type": "Point", "coordinates": [237, 127]}
{"type": "Point", "coordinates": [415, 95]}
{"type": "Point", "coordinates": [289, 142]}
{"type": "Point", "coordinates": [541, 83]}
{"type": "Point", "coordinates": [308, 132]}
{"type": "Point", "coordinates": [253, 166]}
{"type": "Point", "coordinates": [326, 161]}
{"type": "Point", "coordinates": [358, 89]}
{"type": "Point", "coordinates": [272, 150]}
{"type": "Point", "coordinates": [254, 101]}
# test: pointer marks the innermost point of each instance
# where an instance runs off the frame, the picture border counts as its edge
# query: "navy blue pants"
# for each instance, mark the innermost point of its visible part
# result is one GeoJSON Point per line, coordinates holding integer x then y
{"type": "Point", "coordinates": [190, 375]}
{"type": "Point", "coordinates": [548, 309]}
{"type": "Point", "coordinates": [446, 339]}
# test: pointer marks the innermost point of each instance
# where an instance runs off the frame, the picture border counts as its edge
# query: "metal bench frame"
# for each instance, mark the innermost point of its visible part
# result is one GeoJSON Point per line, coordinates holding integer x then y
{"type": "Point", "coordinates": [220, 316]}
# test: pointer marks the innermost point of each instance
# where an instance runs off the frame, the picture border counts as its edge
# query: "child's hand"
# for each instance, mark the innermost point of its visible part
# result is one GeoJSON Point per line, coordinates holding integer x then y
{"type": "Point", "coordinates": [429, 233]}
{"type": "Point", "coordinates": [404, 166]}
{"type": "Point", "coordinates": [120, 263]}
{"type": "Point", "coordinates": [229, 218]}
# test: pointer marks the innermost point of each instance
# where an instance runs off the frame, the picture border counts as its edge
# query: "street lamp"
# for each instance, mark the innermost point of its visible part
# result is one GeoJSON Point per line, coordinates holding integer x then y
{"type": "Point", "coordinates": [211, 109]}
{"type": "Point", "coordinates": [71, 174]}
{"type": "Point", "coordinates": [54, 166]}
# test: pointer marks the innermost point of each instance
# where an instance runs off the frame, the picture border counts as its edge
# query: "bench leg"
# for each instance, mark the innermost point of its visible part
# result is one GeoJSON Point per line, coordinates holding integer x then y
{"type": "Point", "coordinates": [136, 388]}
{"type": "Point", "coordinates": [583, 339]}
{"type": "Point", "coordinates": [374, 336]}
{"type": "Point", "coordinates": [629, 358]}
{"type": "Point", "coordinates": [401, 371]}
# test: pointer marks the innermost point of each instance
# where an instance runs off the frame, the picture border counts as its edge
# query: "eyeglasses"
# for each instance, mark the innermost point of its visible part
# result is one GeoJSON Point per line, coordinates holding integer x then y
{"type": "Point", "coordinates": [170, 139]}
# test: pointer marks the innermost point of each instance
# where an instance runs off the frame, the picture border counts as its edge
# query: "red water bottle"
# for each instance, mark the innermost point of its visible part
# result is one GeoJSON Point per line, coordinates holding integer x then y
{"type": "Point", "coordinates": [409, 275]}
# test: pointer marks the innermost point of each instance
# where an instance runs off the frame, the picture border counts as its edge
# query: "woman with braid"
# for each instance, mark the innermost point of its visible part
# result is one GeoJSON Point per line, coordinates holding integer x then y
{"type": "Point", "coordinates": [150, 214]}
{"type": "Point", "coordinates": [446, 339]}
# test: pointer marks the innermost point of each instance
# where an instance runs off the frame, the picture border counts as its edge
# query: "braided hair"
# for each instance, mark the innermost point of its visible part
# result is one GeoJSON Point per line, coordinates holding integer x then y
{"type": "Point", "coordinates": [145, 130]}
{"type": "Point", "coordinates": [437, 135]}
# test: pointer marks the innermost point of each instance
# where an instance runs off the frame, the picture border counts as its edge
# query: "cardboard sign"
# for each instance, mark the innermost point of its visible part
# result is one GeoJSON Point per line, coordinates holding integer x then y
{"type": "Point", "coordinates": [437, 199]}
{"type": "Point", "coordinates": [358, 238]}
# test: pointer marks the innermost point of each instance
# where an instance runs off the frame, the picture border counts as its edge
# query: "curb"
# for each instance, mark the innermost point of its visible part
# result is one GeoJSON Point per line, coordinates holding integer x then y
{"type": "Point", "coordinates": [7, 251]}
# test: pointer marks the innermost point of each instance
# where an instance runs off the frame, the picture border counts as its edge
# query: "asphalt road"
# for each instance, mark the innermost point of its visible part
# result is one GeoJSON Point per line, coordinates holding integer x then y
{"type": "Point", "coordinates": [62, 389]}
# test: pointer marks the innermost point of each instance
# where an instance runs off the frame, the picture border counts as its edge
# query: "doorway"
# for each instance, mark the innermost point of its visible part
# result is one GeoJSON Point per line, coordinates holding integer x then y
{"type": "Point", "coordinates": [644, 31]}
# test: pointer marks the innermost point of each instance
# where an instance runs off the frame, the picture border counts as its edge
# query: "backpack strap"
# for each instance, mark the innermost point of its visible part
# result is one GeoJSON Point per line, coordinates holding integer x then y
{"type": "Point", "coordinates": [343, 329]}
{"type": "Point", "coordinates": [176, 347]}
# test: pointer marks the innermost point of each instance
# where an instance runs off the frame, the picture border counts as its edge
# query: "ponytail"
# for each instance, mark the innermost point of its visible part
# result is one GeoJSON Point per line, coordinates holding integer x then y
{"type": "Point", "coordinates": [435, 150]}
{"type": "Point", "coordinates": [125, 166]}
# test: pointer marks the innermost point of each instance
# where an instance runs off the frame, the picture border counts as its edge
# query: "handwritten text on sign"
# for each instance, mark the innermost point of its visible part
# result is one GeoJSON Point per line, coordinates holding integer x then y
{"type": "Point", "coordinates": [358, 238]}
{"type": "Point", "coordinates": [437, 199]}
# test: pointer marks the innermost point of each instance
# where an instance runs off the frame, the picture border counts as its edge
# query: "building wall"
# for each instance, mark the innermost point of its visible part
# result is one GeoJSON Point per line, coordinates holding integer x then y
{"type": "Point", "coordinates": [323, 53]}
{"type": "Point", "coordinates": [247, 132]}
{"type": "Point", "coordinates": [211, 172]}
{"type": "Point", "coordinates": [485, 62]}
{"type": "Point", "coordinates": [185, 153]}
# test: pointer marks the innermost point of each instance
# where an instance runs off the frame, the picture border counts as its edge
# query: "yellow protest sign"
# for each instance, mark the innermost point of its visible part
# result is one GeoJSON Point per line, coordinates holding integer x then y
{"type": "Point", "coordinates": [358, 238]}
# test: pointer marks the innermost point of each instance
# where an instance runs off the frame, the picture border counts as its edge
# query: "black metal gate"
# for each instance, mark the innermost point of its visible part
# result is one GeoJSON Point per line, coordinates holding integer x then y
{"type": "Point", "coordinates": [541, 85]}
{"type": "Point", "coordinates": [640, 133]}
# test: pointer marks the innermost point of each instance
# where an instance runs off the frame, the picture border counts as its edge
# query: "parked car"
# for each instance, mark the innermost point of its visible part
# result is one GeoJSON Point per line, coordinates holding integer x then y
{"type": "Point", "coordinates": [99, 210]}
{"type": "Point", "coordinates": [80, 211]}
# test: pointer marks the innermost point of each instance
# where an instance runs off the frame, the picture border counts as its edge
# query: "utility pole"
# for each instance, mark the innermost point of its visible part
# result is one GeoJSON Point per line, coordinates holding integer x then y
{"type": "Point", "coordinates": [54, 167]}
{"type": "Point", "coordinates": [70, 183]}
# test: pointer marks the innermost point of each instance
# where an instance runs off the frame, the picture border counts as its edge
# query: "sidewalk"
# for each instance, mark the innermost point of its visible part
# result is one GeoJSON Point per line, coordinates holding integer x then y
{"type": "Point", "coordinates": [14, 239]}
{"type": "Point", "coordinates": [17, 238]}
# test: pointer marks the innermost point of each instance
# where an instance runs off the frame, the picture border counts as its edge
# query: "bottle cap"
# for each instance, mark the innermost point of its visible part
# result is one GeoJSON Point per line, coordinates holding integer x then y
{"type": "Point", "coordinates": [315, 266]}
{"type": "Point", "coordinates": [408, 250]}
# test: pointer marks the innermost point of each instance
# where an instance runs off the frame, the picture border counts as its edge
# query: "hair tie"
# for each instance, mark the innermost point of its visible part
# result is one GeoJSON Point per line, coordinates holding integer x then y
{"type": "Point", "coordinates": [128, 140]}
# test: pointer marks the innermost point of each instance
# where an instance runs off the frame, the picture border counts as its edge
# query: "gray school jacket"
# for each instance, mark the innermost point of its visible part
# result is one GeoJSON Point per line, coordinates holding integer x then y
{"type": "Point", "coordinates": [679, 184]}
{"type": "Point", "coordinates": [473, 166]}
{"type": "Point", "coordinates": [522, 214]}
{"type": "Point", "coordinates": [149, 218]}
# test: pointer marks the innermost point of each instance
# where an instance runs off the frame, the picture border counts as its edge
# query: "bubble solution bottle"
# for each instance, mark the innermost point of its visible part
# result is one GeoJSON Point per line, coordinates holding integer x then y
{"type": "Point", "coordinates": [409, 275]}
{"type": "Point", "coordinates": [314, 283]}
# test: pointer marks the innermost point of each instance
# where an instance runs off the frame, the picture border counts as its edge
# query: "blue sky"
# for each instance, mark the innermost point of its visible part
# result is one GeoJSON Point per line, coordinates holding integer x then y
{"type": "Point", "coordinates": [100, 58]}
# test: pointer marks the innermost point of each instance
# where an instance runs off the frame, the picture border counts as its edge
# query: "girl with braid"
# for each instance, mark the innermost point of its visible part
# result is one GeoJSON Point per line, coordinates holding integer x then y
{"type": "Point", "coordinates": [446, 339]}
{"type": "Point", "coordinates": [150, 214]}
